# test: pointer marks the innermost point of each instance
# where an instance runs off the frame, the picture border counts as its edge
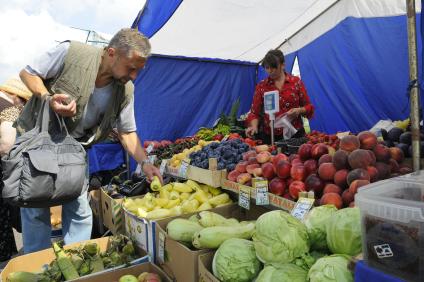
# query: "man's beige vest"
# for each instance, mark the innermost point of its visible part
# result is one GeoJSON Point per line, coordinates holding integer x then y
{"type": "Point", "coordinates": [77, 78]}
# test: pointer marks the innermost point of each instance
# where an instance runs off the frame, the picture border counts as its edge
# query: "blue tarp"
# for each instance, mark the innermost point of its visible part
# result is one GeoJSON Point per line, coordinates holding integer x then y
{"type": "Point", "coordinates": [154, 15]}
{"type": "Point", "coordinates": [364, 273]}
{"type": "Point", "coordinates": [357, 73]}
{"type": "Point", "coordinates": [176, 96]}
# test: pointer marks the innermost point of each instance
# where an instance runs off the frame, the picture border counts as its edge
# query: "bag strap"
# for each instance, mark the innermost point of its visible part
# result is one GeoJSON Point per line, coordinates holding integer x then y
{"type": "Point", "coordinates": [44, 118]}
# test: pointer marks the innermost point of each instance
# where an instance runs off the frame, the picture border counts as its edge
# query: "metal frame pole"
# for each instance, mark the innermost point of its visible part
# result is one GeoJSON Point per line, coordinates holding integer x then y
{"type": "Point", "coordinates": [413, 78]}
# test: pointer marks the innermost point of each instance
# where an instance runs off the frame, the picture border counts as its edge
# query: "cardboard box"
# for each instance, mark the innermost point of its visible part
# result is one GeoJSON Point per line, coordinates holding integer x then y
{"type": "Point", "coordinates": [205, 268]}
{"type": "Point", "coordinates": [180, 262]}
{"type": "Point", "coordinates": [113, 214]}
{"type": "Point", "coordinates": [113, 276]}
{"type": "Point", "coordinates": [206, 176]}
{"type": "Point", "coordinates": [96, 207]}
{"type": "Point", "coordinates": [34, 262]}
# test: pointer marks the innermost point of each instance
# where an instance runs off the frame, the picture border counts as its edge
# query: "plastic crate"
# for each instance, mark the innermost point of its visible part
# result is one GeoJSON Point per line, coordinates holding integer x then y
{"type": "Point", "coordinates": [392, 216]}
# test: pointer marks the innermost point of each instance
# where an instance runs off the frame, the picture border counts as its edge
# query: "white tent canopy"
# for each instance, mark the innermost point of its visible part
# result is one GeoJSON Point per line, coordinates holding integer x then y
{"type": "Point", "coordinates": [246, 29]}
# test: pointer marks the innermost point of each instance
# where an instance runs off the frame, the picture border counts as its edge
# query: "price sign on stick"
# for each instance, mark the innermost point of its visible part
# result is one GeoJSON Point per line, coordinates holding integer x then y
{"type": "Point", "coordinates": [261, 187]}
{"type": "Point", "coordinates": [302, 207]}
{"type": "Point", "coordinates": [162, 167]}
{"type": "Point", "coordinates": [271, 102]}
{"type": "Point", "coordinates": [244, 197]}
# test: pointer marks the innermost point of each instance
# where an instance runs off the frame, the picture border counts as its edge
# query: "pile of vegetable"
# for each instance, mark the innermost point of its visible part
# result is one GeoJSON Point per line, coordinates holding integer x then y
{"type": "Point", "coordinates": [85, 259]}
{"type": "Point", "coordinates": [277, 247]}
{"type": "Point", "coordinates": [208, 230]}
{"type": "Point", "coordinates": [177, 198]}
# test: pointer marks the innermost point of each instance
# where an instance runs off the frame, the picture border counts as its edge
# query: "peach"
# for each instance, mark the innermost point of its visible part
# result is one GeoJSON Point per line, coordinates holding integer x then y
{"type": "Point", "coordinates": [349, 143]}
{"type": "Point", "coordinates": [262, 148]}
{"type": "Point", "coordinates": [268, 171]}
{"type": "Point", "coordinates": [356, 184]}
{"type": "Point", "coordinates": [283, 169]}
{"type": "Point", "coordinates": [243, 178]}
{"type": "Point", "coordinates": [297, 172]}
{"type": "Point", "coordinates": [382, 153]}
{"type": "Point", "coordinates": [314, 183]}
{"type": "Point", "coordinates": [326, 158]}
{"type": "Point", "coordinates": [383, 170]}
{"type": "Point", "coordinates": [332, 188]}
{"type": "Point", "coordinates": [279, 157]}
{"type": "Point", "coordinates": [311, 166]}
{"type": "Point", "coordinates": [304, 151]}
{"type": "Point", "coordinates": [397, 154]}
{"type": "Point", "coordinates": [340, 159]}
{"type": "Point", "coordinates": [232, 176]}
{"type": "Point", "coordinates": [367, 139]}
{"type": "Point", "coordinates": [318, 150]}
{"type": "Point", "coordinates": [326, 171]}
{"type": "Point", "coordinates": [394, 166]}
{"type": "Point", "coordinates": [373, 172]}
{"type": "Point", "coordinates": [296, 187]}
{"type": "Point", "coordinates": [263, 157]}
{"type": "Point", "coordinates": [251, 167]}
{"type": "Point", "coordinates": [358, 173]}
{"type": "Point", "coordinates": [347, 197]}
{"type": "Point", "coordinates": [252, 160]}
{"type": "Point", "coordinates": [241, 166]}
{"type": "Point", "coordinates": [249, 154]}
{"type": "Point", "coordinates": [332, 199]}
{"type": "Point", "coordinates": [359, 158]}
{"type": "Point", "coordinates": [277, 186]}
{"type": "Point", "coordinates": [257, 172]}
{"type": "Point", "coordinates": [340, 178]}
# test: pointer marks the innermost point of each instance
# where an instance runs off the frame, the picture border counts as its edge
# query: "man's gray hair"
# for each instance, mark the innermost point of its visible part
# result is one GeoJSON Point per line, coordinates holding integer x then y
{"type": "Point", "coordinates": [129, 40]}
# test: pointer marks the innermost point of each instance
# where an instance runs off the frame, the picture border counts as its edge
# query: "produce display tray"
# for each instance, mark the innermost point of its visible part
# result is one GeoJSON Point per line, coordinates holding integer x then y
{"type": "Point", "coordinates": [274, 200]}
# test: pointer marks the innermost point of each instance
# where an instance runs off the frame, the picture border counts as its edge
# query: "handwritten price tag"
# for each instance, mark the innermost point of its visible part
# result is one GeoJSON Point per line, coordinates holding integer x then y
{"type": "Point", "coordinates": [162, 167]}
{"type": "Point", "coordinates": [302, 208]}
{"type": "Point", "coordinates": [149, 149]}
{"type": "Point", "coordinates": [183, 170]}
{"type": "Point", "coordinates": [244, 197]}
{"type": "Point", "coordinates": [262, 198]}
{"type": "Point", "coordinates": [261, 188]}
{"type": "Point", "coordinates": [161, 255]}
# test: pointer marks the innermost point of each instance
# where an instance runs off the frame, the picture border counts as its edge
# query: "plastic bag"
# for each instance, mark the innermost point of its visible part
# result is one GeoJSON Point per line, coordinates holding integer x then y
{"type": "Point", "coordinates": [285, 123]}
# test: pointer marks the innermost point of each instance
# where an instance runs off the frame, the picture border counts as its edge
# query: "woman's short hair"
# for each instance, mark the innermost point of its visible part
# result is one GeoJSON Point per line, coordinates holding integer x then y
{"type": "Point", "coordinates": [273, 58]}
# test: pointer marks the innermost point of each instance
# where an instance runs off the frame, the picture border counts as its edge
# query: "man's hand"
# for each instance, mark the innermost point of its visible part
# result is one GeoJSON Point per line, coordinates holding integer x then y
{"type": "Point", "coordinates": [59, 104]}
{"type": "Point", "coordinates": [150, 171]}
{"type": "Point", "coordinates": [251, 130]}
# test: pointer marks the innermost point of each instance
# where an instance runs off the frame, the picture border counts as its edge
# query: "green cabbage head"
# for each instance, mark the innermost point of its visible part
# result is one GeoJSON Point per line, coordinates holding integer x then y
{"type": "Point", "coordinates": [344, 232]}
{"type": "Point", "coordinates": [315, 223]}
{"type": "Point", "coordinates": [331, 268]}
{"type": "Point", "coordinates": [235, 260]}
{"type": "Point", "coordinates": [279, 238]}
{"type": "Point", "coordinates": [284, 273]}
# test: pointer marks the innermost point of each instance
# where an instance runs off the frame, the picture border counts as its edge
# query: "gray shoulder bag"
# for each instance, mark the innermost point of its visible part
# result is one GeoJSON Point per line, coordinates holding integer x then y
{"type": "Point", "coordinates": [46, 166]}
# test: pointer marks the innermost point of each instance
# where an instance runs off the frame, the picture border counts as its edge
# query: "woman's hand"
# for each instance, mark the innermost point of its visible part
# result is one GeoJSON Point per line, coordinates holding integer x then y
{"type": "Point", "coordinates": [251, 130]}
{"type": "Point", "coordinates": [150, 171]}
{"type": "Point", "coordinates": [295, 112]}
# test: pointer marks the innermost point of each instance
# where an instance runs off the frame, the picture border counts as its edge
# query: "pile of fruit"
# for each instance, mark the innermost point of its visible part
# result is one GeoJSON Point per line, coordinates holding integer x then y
{"type": "Point", "coordinates": [397, 137]}
{"type": "Point", "coordinates": [176, 198]}
{"type": "Point", "coordinates": [316, 137]}
{"type": "Point", "coordinates": [164, 150]}
{"type": "Point", "coordinates": [176, 159]}
{"type": "Point", "coordinates": [333, 176]}
{"type": "Point", "coordinates": [227, 153]}
{"type": "Point", "coordinates": [73, 263]}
